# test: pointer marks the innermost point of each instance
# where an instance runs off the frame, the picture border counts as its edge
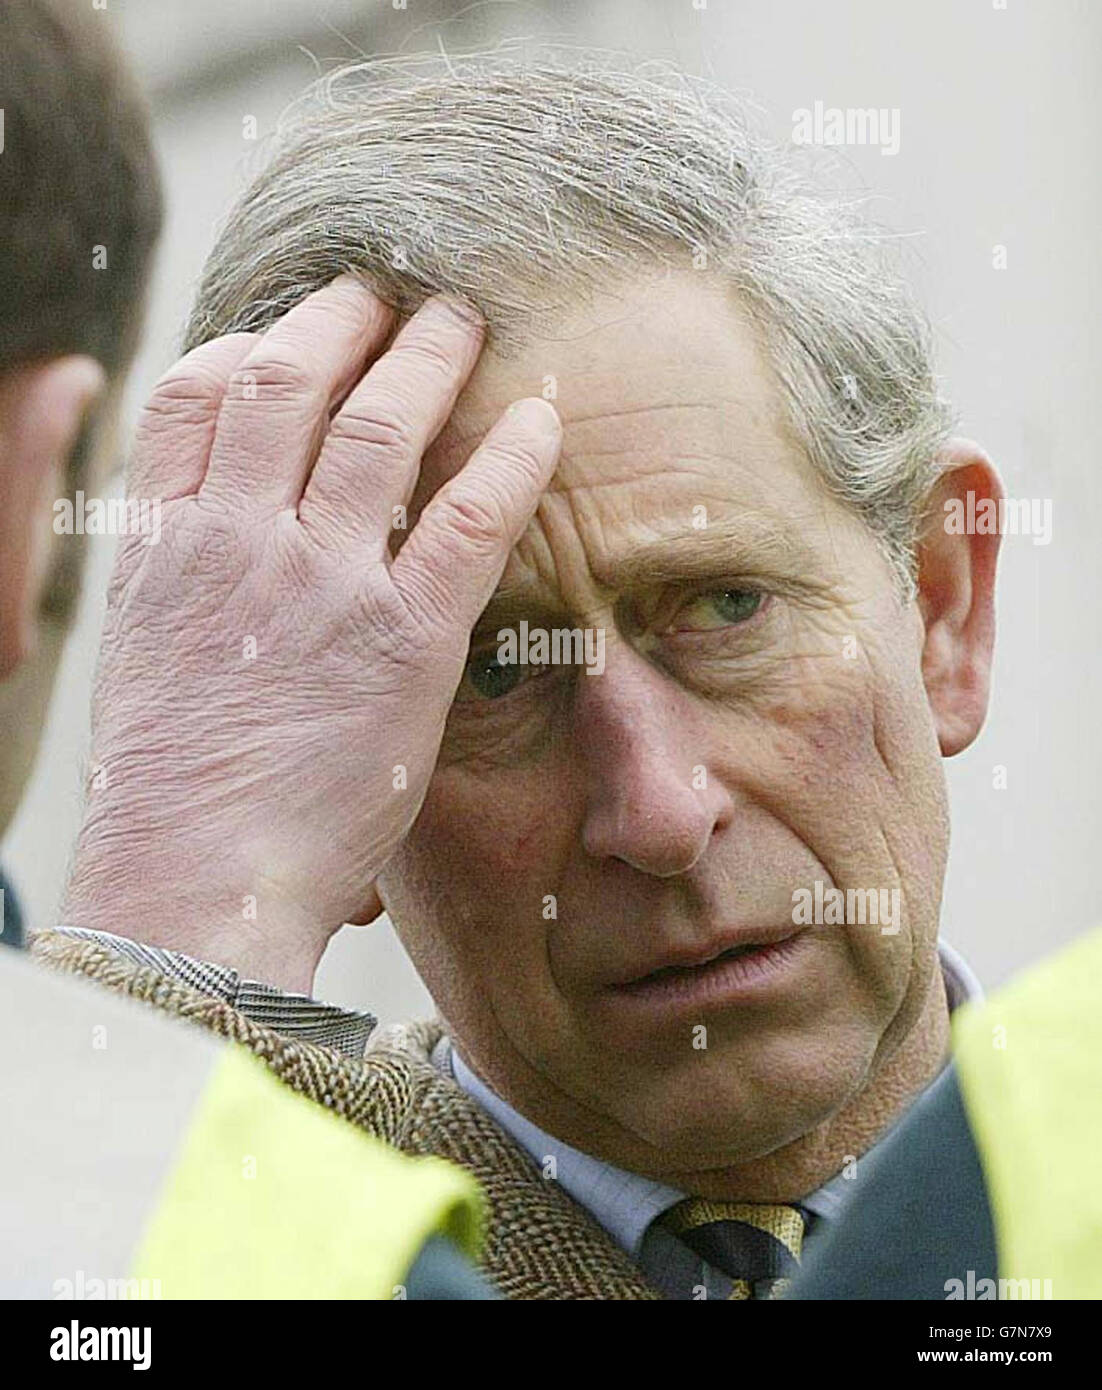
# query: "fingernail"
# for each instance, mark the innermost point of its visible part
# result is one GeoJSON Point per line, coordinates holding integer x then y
{"type": "Point", "coordinates": [461, 309]}
{"type": "Point", "coordinates": [537, 415]}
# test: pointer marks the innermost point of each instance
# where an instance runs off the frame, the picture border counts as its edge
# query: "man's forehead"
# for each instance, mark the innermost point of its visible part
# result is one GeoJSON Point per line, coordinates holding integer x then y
{"type": "Point", "coordinates": [675, 464]}
{"type": "Point", "coordinates": [627, 374]}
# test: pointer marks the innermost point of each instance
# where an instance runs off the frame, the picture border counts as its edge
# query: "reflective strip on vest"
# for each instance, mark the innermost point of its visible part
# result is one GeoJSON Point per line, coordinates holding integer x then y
{"type": "Point", "coordinates": [1030, 1066]}
{"type": "Point", "coordinates": [274, 1197]}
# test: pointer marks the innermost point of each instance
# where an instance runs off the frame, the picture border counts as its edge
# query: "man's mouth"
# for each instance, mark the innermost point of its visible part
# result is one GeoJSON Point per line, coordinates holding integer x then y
{"type": "Point", "coordinates": [672, 971]}
{"type": "Point", "coordinates": [733, 974]}
{"type": "Point", "coordinates": [688, 962]}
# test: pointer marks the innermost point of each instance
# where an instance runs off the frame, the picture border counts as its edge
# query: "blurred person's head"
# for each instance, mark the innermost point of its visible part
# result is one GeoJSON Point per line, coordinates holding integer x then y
{"type": "Point", "coordinates": [748, 506]}
{"type": "Point", "coordinates": [79, 216]}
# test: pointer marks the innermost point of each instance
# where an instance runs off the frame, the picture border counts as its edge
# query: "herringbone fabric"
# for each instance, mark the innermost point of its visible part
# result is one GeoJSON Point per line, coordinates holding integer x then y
{"type": "Point", "coordinates": [540, 1243]}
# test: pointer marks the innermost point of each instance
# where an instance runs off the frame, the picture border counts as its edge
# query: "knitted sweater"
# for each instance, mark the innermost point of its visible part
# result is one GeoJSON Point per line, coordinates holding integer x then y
{"type": "Point", "coordinates": [540, 1243]}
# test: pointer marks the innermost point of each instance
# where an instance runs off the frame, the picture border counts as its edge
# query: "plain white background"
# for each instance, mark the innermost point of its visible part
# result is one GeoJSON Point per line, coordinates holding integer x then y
{"type": "Point", "coordinates": [999, 111]}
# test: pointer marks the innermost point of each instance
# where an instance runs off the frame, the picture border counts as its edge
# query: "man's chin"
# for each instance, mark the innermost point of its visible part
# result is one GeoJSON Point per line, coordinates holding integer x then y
{"type": "Point", "coordinates": [695, 1125]}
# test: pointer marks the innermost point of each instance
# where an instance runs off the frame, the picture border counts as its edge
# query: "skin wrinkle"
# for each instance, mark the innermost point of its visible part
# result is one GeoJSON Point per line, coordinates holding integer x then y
{"type": "Point", "coordinates": [635, 412]}
{"type": "Point", "coordinates": [829, 881]}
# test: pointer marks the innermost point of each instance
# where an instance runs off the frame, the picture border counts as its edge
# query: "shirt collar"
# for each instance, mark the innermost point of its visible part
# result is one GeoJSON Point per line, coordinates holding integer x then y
{"type": "Point", "coordinates": [624, 1203]}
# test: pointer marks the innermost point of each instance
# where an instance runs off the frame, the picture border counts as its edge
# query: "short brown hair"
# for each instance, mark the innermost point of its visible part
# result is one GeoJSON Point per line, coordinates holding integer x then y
{"type": "Point", "coordinates": [78, 184]}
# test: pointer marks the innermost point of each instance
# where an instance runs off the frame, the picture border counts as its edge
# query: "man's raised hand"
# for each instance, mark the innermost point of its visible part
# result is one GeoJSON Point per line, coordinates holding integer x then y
{"type": "Point", "coordinates": [273, 685]}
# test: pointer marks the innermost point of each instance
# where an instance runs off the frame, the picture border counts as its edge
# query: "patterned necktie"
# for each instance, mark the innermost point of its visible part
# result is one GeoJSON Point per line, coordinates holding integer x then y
{"type": "Point", "coordinates": [756, 1245]}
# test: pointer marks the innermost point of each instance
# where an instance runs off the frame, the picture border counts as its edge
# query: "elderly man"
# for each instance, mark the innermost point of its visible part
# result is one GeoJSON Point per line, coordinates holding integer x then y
{"type": "Point", "coordinates": [331, 689]}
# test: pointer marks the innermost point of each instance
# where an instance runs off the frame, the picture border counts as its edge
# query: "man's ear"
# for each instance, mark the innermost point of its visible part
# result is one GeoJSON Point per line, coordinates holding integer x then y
{"type": "Point", "coordinates": [42, 407]}
{"type": "Point", "coordinates": [956, 592]}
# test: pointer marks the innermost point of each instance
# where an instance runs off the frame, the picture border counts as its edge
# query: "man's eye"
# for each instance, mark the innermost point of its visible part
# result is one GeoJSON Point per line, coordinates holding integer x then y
{"type": "Point", "coordinates": [719, 608]}
{"type": "Point", "coordinates": [486, 678]}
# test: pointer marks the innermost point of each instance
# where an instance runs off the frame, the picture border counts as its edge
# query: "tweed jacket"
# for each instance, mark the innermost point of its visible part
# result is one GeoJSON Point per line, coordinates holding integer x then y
{"type": "Point", "coordinates": [540, 1243]}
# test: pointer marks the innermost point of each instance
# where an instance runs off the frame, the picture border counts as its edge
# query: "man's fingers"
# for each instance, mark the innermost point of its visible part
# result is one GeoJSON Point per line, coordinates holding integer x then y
{"type": "Point", "coordinates": [372, 454]}
{"type": "Point", "coordinates": [449, 567]}
{"type": "Point", "coordinates": [277, 403]}
{"type": "Point", "coordinates": [176, 428]}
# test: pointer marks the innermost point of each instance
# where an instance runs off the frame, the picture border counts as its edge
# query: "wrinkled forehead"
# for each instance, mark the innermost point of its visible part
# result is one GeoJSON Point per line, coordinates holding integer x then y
{"type": "Point", "coordinates": [672, 425]}
{"type": "Point", "coordinates": [634, 371]}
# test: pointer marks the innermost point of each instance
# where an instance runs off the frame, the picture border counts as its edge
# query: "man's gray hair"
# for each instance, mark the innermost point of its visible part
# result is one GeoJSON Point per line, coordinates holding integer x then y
{"type": "Point", "coordinates": [526, 183]}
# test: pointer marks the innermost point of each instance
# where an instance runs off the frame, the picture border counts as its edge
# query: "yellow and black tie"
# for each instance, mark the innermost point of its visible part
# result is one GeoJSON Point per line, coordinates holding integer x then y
{"type": "Point", "coordinates": [756, 1245]}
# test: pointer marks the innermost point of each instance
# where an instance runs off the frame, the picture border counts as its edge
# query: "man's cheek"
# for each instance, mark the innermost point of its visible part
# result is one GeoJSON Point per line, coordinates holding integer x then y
{"type": "Point", "coordinates": [492, 855]}
{"type": "Point", "coordinates": [841, 777]}
{"type": "Point", "coordinates": [815, 739]}
{"type": "Point", "coordinates": [469, 818]}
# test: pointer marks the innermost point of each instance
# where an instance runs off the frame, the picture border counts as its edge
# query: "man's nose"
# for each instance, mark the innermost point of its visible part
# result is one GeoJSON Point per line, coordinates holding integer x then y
{"type": "Point", "coordinates": [651, 800]}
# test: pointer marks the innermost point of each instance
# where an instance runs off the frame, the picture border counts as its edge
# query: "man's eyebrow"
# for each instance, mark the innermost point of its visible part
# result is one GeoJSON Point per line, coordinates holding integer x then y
{"type": "Point", "coordinates": [746, 552]}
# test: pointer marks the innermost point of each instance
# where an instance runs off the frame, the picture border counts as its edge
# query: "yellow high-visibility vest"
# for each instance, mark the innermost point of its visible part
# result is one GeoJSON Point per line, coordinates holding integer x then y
{"type": "Point", "coordinates": [274, 1197]}
{"type": "Point", "coordinates": [1030, 1068]}
{"type": "Point", "coordinates": [146, 1158]}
